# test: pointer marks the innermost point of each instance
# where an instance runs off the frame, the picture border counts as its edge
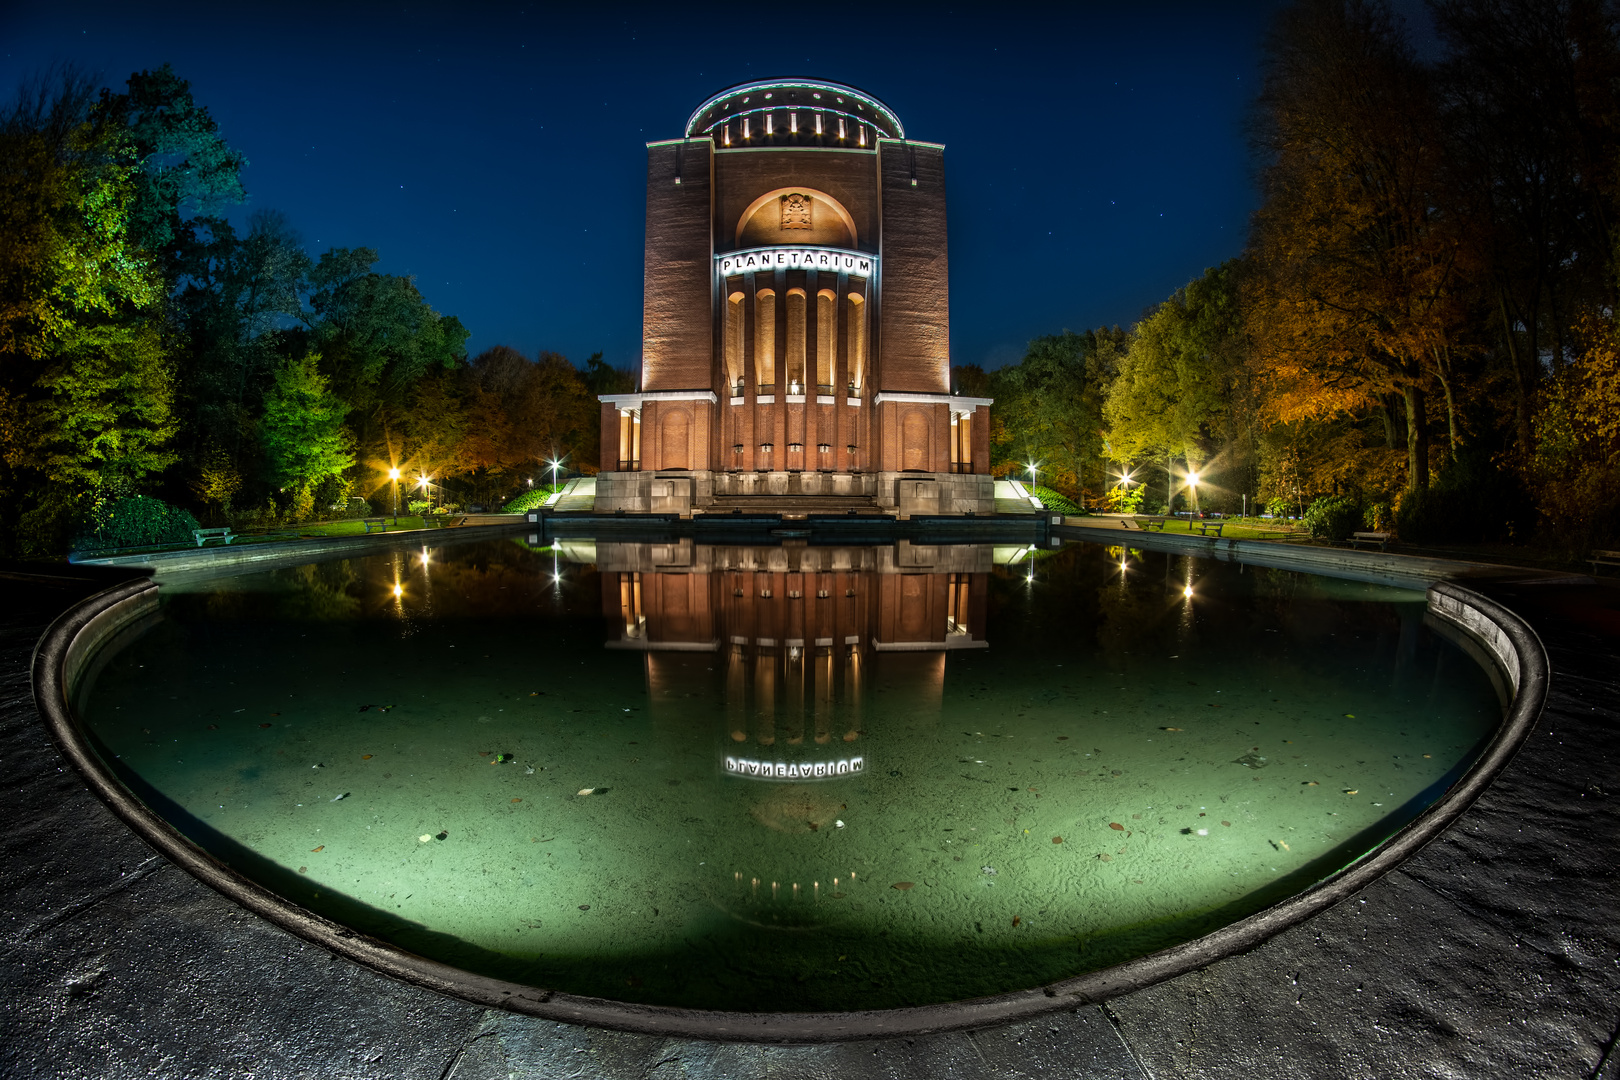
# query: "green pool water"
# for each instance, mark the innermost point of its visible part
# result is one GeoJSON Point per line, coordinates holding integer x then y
{"type": "Point", "coordinates": [786, 777]}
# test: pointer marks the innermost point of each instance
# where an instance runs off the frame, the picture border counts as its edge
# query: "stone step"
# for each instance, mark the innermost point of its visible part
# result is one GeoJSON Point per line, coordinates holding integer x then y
{"type": "Point", "coordinates": [796, 504]}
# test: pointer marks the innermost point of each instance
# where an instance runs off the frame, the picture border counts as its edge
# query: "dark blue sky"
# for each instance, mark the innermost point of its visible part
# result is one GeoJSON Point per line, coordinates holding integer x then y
{"type": "Point", "coordinates": [1096, 157]}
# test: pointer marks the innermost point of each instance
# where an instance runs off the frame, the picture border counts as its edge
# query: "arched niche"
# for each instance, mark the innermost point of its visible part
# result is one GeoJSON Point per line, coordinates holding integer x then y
{"type": "Point", "coordinates": [777, 218]}
{"type": "Point", "coordinates": [675, 442]}
{"type": "Point", "coordinates": [914, 448]}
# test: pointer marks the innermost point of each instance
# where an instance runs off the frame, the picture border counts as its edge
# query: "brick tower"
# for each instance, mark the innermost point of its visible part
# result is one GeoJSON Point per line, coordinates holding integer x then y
{"type": "Point", "coordinates": [796, 327]}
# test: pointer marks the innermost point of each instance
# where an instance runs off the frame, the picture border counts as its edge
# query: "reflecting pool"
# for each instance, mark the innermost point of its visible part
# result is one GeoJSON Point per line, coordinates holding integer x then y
{"type": "Point", "coordinates": [789, 777]}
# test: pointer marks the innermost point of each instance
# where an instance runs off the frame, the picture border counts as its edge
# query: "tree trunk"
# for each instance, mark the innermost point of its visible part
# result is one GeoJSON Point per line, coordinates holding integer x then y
{"type": "Point", "coordinates": [1417, 441]}
{"type": "Point", "coordinates": [1451, 404]}
{"type": "Point", "coordinates": [1521, 390]}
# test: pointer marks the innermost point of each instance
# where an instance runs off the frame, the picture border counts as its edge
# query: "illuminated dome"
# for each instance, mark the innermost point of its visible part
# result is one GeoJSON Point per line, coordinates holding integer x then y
{"type": "Point", "coordinates": [795, 108]}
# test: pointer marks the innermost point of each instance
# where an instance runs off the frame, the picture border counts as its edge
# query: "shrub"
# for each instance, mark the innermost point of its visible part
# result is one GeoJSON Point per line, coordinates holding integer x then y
{"type": "Point", "coordinates": [418, 507]}
{"type": "Point", "coordinates": [302, 507]}
{"type": "Point", "coordinates": [1054, 500]}
{"type": "Point", "coordinates": [1124, 499]}
{"type": "Point", "coordinates": [1333, 517]}
{"type": "Point", "coordinates": [530, 499]}
{"type": "Point", "coordinates": [1472, 500]}
{"type": "Point", "coordinates": [1280, 507]}
{"type": "Point", "coordinates": [135, 521]}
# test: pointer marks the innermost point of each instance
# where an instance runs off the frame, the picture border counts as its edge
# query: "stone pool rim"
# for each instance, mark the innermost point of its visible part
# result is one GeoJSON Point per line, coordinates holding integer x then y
{"type": "Point", "coordinates": [75, 637]}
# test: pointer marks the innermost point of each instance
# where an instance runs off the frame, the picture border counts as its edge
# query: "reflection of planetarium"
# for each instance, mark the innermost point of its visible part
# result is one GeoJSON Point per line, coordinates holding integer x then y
{"type": "Point", "coordinates": [796, 334]}
{"type": "Point", "coordinates": [789, 637]}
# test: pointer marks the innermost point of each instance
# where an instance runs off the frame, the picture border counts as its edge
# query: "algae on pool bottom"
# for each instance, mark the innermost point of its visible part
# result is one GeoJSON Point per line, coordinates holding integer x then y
{"type": "Point", "coordinates": [1093, 769]}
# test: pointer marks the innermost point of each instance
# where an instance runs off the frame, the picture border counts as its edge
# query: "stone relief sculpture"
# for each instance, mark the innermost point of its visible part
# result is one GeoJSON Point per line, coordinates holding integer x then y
{"type": "Point", "coordinates": [795, 211]}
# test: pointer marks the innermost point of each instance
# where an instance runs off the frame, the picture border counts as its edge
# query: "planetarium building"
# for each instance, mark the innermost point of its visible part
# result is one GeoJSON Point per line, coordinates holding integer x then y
{"type": "Point", "coordinates": [796, 333]}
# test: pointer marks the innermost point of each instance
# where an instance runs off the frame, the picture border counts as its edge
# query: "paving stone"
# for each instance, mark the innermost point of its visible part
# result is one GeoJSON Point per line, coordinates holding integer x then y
{"type": "Point", "coordinates": [1080, 1045]}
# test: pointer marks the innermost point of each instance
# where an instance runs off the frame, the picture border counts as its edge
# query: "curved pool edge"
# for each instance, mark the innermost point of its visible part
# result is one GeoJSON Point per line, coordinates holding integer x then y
{"type": "Point", "coordinates": [74, 638]}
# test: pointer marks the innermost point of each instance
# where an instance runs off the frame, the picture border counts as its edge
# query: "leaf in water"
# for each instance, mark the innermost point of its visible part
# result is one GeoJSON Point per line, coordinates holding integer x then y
{"type": "Point", "coordinates": [1057, 839]}
{"type": "Point", "coordinates": [1116, 826]}
{"type": "Point", "coordinates": [321, 848]}
{"type": "Point", "coordinates": [904, 885]}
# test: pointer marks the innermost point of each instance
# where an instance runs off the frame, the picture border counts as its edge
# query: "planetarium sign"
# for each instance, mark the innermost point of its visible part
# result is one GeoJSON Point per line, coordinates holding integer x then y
{"type": "Point", "coordinates": [854, 263]}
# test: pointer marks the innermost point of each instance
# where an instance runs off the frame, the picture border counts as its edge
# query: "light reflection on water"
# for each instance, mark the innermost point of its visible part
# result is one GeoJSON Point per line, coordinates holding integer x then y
{"type": "Point", "coordinates": [630, 770]}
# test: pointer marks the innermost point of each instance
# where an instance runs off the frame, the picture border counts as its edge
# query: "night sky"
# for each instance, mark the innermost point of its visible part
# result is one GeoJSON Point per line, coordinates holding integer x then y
{"type": "Point", "coordinates": [1096, 159]}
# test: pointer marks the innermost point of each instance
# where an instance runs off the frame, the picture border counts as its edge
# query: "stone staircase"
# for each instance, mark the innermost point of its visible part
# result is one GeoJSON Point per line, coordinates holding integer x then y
{"type": "Point", "coordinates": [794, 505]}
{"type": "Point", "coordinates": [580, 494]}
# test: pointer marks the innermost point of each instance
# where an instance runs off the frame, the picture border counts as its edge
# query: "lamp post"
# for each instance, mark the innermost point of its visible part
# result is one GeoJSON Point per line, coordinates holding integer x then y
{"type": "Point", "coordinates": [1192, 483]}
{"type": "Point", "coordinates": [393, 476]}
{"type": "Point", "coordinates": [554, 462]}
{"type": "Point", "coordinates": [426, 492]}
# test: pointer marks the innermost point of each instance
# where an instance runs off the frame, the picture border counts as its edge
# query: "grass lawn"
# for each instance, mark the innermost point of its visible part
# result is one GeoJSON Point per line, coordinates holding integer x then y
{"type": "Point", "coordinates": [1235, 529]}
{"type": "Point", "coordinates": [355, 527]}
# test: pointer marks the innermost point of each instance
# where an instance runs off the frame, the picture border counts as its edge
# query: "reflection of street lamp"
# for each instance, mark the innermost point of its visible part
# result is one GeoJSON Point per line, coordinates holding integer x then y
{"type": "Point", "coordinates": [393, 476]}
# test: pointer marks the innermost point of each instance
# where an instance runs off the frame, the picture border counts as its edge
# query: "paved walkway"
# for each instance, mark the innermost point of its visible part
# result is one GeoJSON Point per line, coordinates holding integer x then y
{"type": "Point", "coordinates": [1493, 953]}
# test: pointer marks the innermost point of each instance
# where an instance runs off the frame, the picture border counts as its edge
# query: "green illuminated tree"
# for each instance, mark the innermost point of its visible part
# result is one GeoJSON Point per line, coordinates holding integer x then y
{"type": "Point", "coordinates": [86, 387]}
{"type": "Point", "coordinates": [302, 429]}
{"type": "Point", "coordinates": [1173, 397]}
{"type": "Point", "coordinates": [1050, 405]}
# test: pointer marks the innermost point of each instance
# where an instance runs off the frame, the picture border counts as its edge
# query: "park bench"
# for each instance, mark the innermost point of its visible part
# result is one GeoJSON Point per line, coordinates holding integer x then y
{"type": "Point", "coordinates": [380, 522]}
{"type": "Point", "coordinates": [1603, 558]}
{"type": "Point", "coordinates": [1208, 527]}
{"type": "Point", "coordinates": [1145, 521]}
{"type": "Point", "coordinates": [1379, 538]}
{"type": "Point", "coordinates": [205, 535]}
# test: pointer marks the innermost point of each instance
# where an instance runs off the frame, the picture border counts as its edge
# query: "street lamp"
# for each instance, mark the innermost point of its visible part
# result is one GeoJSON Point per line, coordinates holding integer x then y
{"type": "Point", "coordinates": [1030, 465]}
{"type": "Point", "coordinates": [426, 492]}
{"type": "Point", "coordinates": [393, 476]}
{"type": "Point", "coordinates": [554, 462]}
{"type": "Point", "coordinates": [1192, 483]}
